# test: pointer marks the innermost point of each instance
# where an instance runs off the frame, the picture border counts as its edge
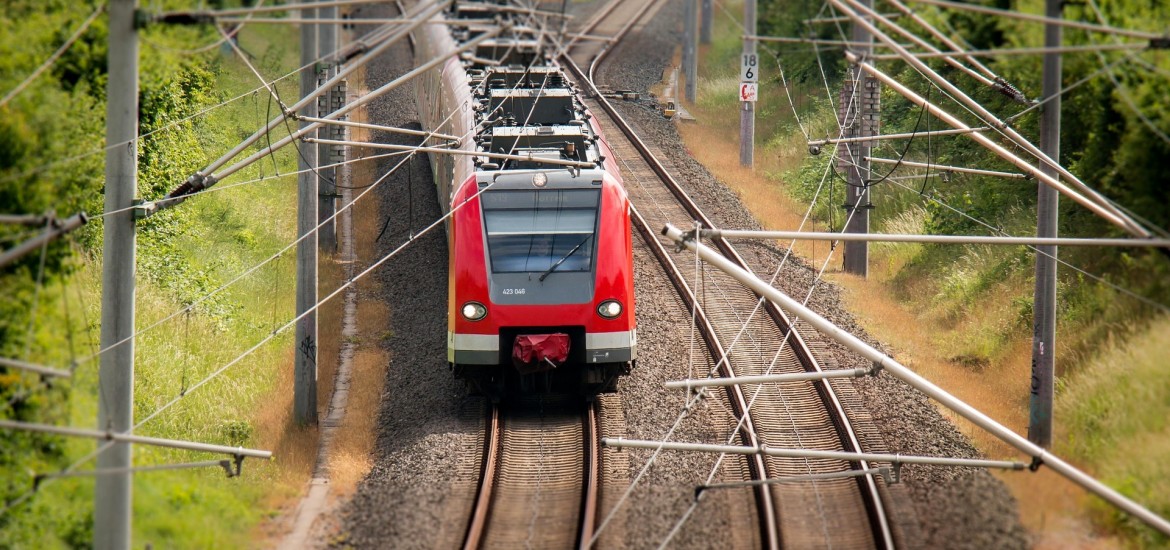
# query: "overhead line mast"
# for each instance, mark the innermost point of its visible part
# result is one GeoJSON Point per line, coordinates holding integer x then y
{"type": "Point", "coordinates": [113, 493]}
{"type": "Point", "coordinates": [1088, 197]}
{"type": "Point", "coordinates": [859, 118]}
{"type": "Point", "coordinates": [305, 358]}
{"type": "Point", "coordinates": [1047, 210]}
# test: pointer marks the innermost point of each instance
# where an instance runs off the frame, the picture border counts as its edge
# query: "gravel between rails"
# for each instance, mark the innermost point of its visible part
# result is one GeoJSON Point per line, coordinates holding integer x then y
{"type": "Point", "coordinates": [933, 507]}
{"type": "Point", "coordinates": [426, 456]}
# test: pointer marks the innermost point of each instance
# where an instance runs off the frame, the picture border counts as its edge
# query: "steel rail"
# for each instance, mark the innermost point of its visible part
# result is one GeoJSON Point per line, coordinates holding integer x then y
{"type": "Point", "coordinates": [883, 534]}
{"type": "Point", "coordinates": [592, 479]}
{"type": "Point", "coordinates": [1040, 455]}
{"type": "Point", "coordinates": [769, 528]}
{"type": "Point", "coordinates": [473, 537]}
{"type": "Point", "coordinates": [617, 38]}
{"type": "Point", "coordinates": [766, 506]}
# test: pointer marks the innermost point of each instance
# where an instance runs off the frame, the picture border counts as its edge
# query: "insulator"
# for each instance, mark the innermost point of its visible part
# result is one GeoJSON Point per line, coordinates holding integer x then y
{"type": "Point", "coordinates": [1004, 87]}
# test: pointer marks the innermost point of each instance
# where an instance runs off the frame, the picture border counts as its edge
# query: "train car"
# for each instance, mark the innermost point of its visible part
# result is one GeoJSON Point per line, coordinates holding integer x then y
{"type": "Point", "coordinates": [540, 293]}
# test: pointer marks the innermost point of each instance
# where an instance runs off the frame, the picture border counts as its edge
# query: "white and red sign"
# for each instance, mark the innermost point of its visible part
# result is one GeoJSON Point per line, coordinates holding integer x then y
{"type": "Point", "coordinates": [748, 91]}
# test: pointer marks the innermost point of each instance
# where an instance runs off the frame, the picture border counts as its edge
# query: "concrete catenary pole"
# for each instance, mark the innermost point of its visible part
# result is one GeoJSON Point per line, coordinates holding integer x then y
{"type": "Point", "coordinates": [305, 362]}
{"type": "Point", "coordinates": [747, 113]}
{"type": "Point", "coordinates": [857, 107]}
{"type": "Point", "coordinates": [691, 54]}
{"type": "Point", "coordinates": [705, 23]}
{"type": "Point", "coordinates": [1047, 205]}
{"type": "Point", "coordinates": [327, 194]}
{"type": "Point", "coordinates": [113, 493]}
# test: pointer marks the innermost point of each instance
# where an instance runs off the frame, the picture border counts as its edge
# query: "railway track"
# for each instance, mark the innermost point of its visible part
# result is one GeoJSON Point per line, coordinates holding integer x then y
{"type": "Point", "coordinates": [846, 512]}
{"type": "Point", "coordinates": [540, 483]}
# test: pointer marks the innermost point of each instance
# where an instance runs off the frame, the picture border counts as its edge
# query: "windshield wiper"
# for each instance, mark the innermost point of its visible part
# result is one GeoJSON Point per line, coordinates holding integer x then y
{"type": "Point", "coordinates": [563, 258]}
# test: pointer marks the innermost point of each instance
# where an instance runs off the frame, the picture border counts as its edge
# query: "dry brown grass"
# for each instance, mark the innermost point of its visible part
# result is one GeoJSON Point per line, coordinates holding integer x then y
{"type": "Point", "coordinates": [294, 449]}
{"type": "Point", "coordinates": [354, 440]}
{"type": "Point", "coordinates": [1051, 508]}
{"type": "Point", "coordinates": [918, 342]}
{"type": "Point", "coordinates": [296, 446]}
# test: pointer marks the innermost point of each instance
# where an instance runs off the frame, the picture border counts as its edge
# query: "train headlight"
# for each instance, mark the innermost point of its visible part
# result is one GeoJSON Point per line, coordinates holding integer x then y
{"type": "Point", "coordinates": [610, 309]}
{"type": "Point", "coordinates": [539, 179]}
{"type": "Point", "coordinates": [474, 311]}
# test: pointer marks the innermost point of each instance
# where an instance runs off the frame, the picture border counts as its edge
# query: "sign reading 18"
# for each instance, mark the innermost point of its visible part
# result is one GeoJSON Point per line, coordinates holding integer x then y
{"type": "Point", "coordinates": [748, 71]}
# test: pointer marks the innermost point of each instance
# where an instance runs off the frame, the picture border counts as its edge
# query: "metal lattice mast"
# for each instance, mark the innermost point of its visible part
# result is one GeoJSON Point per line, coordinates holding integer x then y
{"type": "Point", "coordinates": [690, 51]}
{"type": "Point", "coordinates": [327, 193]}
{"type": "Point", "coordinates": [859, 118]}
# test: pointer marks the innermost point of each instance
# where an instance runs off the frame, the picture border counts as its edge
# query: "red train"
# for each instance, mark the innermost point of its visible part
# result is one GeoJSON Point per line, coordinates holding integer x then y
{"type": "Point", "coordinates": [541, 292]}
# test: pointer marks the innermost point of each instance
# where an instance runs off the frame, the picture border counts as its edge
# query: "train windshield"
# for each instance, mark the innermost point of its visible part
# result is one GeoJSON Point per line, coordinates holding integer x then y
{"type": "Point", "coordinates": [528, 231]}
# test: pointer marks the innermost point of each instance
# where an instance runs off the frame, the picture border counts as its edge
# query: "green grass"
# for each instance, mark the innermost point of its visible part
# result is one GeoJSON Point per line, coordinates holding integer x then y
{"type": "Point", "coordinates": [209, 240]}
{"type": "Point", "coordinates": [1113, 388]}
{"type": "Point", "coordinates": [1117, 413]}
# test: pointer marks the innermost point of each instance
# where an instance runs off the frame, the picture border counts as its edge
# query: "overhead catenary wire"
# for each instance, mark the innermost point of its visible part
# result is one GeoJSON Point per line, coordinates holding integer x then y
{"type": "Point", "coordinates": [772, 364]}
{"type": "Point", "coordinates": [409, 151]}
{"type": "Point", "coordinates": [1098, 278]}
{"type": "Point", "coordinates": [1125, 96]}
{"type": "Point", "coordinates": [1040, 456]}
{"type": "Point", "coordinates": [205, 179]}
{"type": "Point", "coordinates": [1090, 199]}
{"type": "Point", "coordinates": [986, 142]}
{"type": "Point", "coordinates": [228, 36]}
{"type": "Point", "coordinates": [102, 448]}
{"type": "Point", "coordinates": [292, 322]}
{"type": "Point", "coordinates": [696, 398]}
{"type": "Point", "coordinates": [1042, 19]}
{"type": "Point", "coordinates": [206, 176]}
{"type": "Point", "coordinates": [169, 126]}
{"type": "Point", "coordinates": [1085, 195]}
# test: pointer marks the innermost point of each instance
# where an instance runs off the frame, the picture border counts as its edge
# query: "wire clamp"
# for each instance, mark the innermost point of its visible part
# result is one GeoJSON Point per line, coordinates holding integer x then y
{"type": "Point", "coordinates": [233, 466]}
{"type": "Point", "coordinates": [896, 473]}
{"type": "Point", "coordinates": [876, 369]}
{"type": "Point", "coordinates": [1162, 43]}
{"type": "Point", "coordinates": [1037, 462]}
{"type": "Point", "coordinates": [143, 208]}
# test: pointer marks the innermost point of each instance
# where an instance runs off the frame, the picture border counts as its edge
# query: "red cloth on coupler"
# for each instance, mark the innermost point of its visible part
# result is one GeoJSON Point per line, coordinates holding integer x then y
{"type": "Point", "coordinates": [539, 352]}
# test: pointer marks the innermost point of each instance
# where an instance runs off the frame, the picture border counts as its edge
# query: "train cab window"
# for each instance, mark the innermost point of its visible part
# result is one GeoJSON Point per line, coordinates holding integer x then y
{"type": "Point", "coordinates": [530, 230]}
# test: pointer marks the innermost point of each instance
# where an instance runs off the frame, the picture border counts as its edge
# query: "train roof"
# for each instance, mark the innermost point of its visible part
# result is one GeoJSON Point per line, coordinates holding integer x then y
{"type": "Point", "coordinates": [528, 115]}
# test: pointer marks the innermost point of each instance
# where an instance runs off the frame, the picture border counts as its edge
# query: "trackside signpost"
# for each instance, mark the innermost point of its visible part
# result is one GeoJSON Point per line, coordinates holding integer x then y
{"type": "Point", "coordinates": [749, 76]}
{"type": "Point", "coordinates": [749, 69]}
{"type": "Point", "coordinates": [748, 91]}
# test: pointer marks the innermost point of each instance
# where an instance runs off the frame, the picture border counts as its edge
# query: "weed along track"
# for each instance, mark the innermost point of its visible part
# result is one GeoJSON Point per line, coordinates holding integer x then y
{"type": "Point", "coordinates": [540, 479]}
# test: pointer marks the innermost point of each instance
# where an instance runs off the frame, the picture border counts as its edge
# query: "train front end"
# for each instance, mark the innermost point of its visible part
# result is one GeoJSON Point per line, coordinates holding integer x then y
{"type": "Point", "coordinates": [541, 295]}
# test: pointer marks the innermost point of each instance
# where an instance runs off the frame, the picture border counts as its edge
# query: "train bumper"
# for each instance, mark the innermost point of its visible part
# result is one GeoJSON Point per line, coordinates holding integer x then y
{"type": "Point", "coordinates": [484, 349]}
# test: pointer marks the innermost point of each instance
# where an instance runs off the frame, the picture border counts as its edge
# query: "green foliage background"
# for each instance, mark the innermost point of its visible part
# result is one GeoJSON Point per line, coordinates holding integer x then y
{"type": "Point", "coordinates": [192, 108]}
{"type": "Point", "coordinates": [1104, 140]}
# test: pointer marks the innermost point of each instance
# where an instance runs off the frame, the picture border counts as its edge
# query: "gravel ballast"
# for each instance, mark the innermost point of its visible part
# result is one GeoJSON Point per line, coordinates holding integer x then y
{"type": "Point", "coordinates": [419, 490]}
{"type": "Point", "coordinates": [935, 507]}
